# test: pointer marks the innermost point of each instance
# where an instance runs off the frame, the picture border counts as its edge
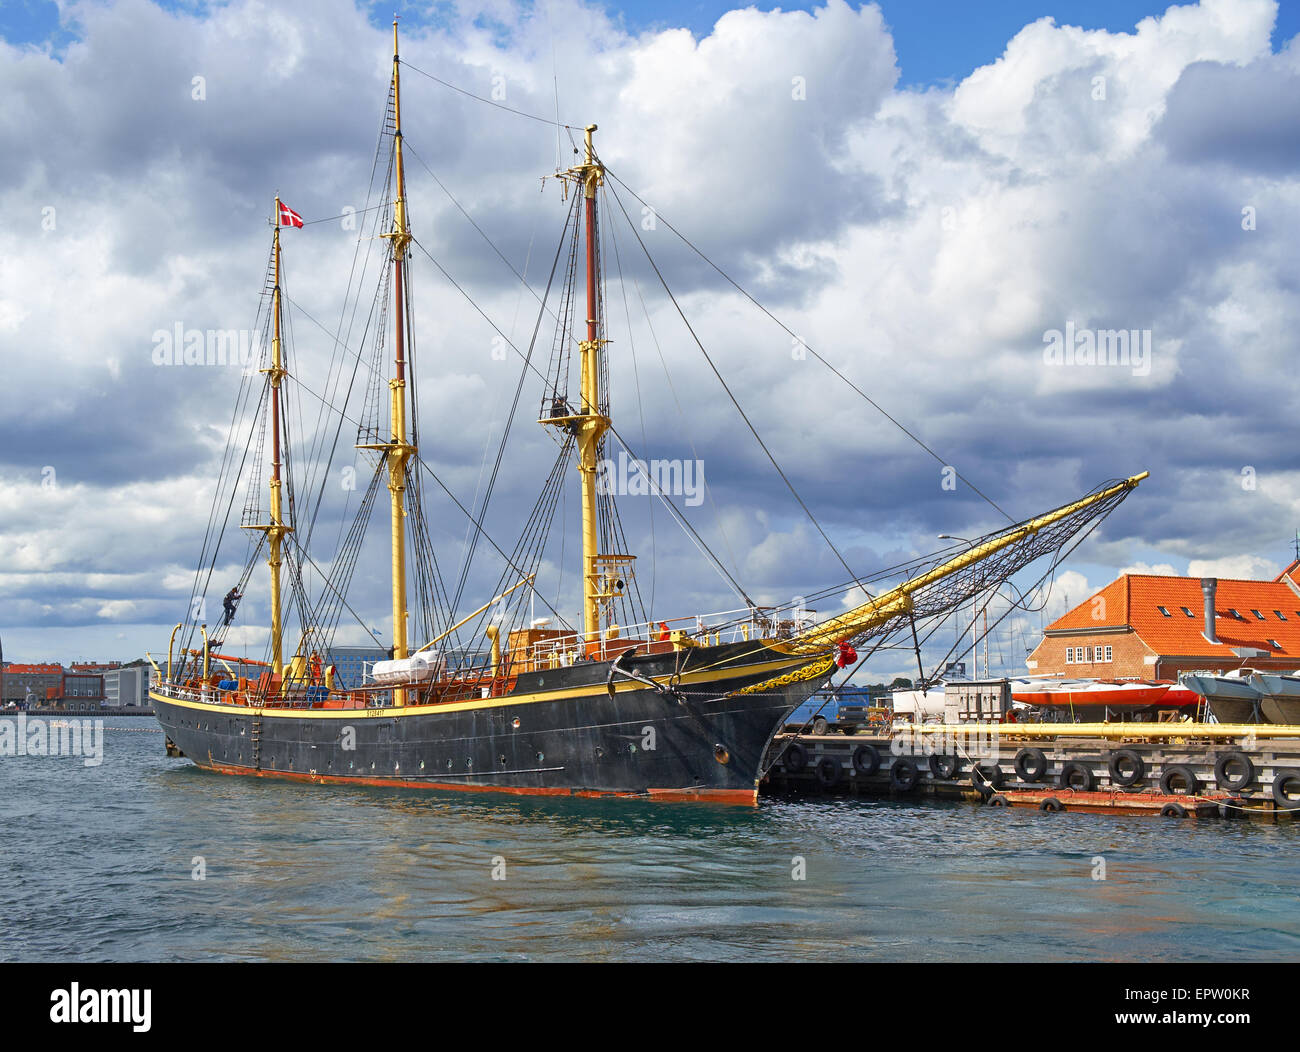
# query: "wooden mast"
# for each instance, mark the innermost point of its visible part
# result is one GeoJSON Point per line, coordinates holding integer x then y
{"type": "Point", "coordinates": [275, 529]}
{"type": "Point", "coordinates": [398, 450]}
{"type": "Point", "coordinates": [591, 424]}
{"type": "Point", "coordinates": [602, 574]}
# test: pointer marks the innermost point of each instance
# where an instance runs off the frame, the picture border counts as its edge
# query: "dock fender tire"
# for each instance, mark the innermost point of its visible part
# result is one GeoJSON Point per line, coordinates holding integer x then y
{"type": "Point", "coordinates": [903, 775]}
{"type": "Point", "coordinates": [1068, 772]}
{"type": "Point", "coordinates": [866, 760]}
{"type": "Point", "coordinates": [986, 777]}
{"type": "Point", "coordinates": [1031, 764]}
{"type": "Point", "coordinates": [1134, 759]}
{"type": "Point", "coordinates": [795, 758]}
{"type": "Point", "coordinates": [1233, 808]}
{"type": "Point", "coordinates": [1284, 779]}
{"type": "Point", "coordinates": [944, 766]}
{"type": "Point", "coordinates": [1051, 803]}
{"type": "Point", "coordinates": [998, 800]}
{"type": "Point", "coordinates": [1177, 771]}
{"type": "Point", "coordinates": [1173, 811]}
{"type": "Point", "coordinates": [1223, 777]}
{"type": "Point", "coordinates": [828, 772]}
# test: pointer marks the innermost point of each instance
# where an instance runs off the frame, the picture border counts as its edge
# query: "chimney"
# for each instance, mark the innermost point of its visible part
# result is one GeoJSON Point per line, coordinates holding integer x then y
{"type": "Point", "coordinates": [1209, 586]}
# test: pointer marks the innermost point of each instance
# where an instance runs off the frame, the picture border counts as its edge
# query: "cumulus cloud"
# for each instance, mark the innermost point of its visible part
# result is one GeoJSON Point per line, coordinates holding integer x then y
{"type": "Point", "coordinates": [1244, 567]}
{"type": "Point", "coordinates": [924, 241]}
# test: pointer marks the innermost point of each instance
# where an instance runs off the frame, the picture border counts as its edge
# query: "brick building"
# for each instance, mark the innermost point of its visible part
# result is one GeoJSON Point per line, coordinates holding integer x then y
{"type": "Point", "coordinates": [40, 679]}
{"type": "Point", "coordinates": [1147, 627]}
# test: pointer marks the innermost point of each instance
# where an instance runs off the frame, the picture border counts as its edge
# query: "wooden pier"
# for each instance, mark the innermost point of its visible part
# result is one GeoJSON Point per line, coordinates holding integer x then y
{"type": "Point", "coordinates": [1182, 770]}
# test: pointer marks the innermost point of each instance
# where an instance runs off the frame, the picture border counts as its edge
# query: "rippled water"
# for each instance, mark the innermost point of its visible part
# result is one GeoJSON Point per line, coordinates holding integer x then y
{"type": "Point", "coordinates": [97, 864]}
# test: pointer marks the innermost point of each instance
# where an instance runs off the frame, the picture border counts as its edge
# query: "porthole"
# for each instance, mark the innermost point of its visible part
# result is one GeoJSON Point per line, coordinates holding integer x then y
{"type": "Point", "coordinates": [515, 723]}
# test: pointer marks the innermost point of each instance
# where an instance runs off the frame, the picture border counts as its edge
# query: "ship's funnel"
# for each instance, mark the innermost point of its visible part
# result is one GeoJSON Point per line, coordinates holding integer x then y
{"type": "Point", "coordinates": [1209, 587]}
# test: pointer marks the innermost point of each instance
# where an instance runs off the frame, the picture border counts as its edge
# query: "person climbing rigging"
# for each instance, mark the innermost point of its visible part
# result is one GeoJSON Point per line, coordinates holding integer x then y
{"type": "Point", "coordinates": [230, 602]}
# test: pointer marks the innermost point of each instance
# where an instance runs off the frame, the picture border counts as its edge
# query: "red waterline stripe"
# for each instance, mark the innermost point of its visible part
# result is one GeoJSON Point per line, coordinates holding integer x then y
{"type": "Point", "coordinates": [742, 797]}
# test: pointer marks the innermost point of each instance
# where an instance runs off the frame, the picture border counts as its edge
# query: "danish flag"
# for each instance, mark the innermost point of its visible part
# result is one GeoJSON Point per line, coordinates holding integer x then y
{"type": "Point", "coordinates": [288, 217]}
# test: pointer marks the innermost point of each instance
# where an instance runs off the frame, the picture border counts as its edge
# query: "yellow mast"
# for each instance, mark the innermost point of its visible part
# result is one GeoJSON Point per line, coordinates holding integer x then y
{"type": "Point", "coordinates": [592, 424]}
{"type": "Point", "coordinates": [275, 529]}
{"type": "Point", "coordinates": [589, 424]}
{"type": "Point", "coordinates": [397, 449]}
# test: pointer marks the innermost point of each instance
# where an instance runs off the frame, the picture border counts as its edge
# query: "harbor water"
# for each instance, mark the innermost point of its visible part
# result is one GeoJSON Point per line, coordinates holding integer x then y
{"type": "Point", "coordinates": [141, 857]}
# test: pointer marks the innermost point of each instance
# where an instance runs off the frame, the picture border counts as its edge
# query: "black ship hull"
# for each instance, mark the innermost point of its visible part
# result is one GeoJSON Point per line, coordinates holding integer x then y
{"type": "Point", "coordinates": [696, 736]}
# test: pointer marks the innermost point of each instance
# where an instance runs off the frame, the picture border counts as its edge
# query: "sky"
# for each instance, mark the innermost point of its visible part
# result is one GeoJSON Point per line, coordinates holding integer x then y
{"type": "Point", "coordinates": [923, 192]}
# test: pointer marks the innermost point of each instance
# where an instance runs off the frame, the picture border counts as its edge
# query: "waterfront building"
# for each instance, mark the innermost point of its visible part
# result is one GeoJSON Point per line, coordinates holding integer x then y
{"type": "Point", "coordinates": [127, 686]}
{"type": "Point", "coordinates": [351, 663]}
{"type": "Point", "coordinates": [1150, 627]}
{"type": "Point", "coordinates": [38, 679]}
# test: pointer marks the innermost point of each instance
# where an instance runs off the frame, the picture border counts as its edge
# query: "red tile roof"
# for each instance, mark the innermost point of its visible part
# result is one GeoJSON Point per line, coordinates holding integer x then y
{"type": "Point", "coordinates": [1134, 600]}
{"type": "Point", "coordinates": [48, 670]}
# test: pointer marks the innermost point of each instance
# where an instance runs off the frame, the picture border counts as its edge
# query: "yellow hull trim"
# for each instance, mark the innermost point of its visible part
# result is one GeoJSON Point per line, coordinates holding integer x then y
{"type": "Point", "coordinates": [468, 704]}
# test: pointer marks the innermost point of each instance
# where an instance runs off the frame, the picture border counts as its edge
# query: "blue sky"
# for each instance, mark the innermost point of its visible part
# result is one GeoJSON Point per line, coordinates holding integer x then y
{"type": "Point", "coordinates": [932, 47]}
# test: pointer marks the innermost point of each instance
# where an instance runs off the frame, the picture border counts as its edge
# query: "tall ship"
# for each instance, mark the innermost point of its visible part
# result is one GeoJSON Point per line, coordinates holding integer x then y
{"type": "Point", "coordinates": [622, 701]}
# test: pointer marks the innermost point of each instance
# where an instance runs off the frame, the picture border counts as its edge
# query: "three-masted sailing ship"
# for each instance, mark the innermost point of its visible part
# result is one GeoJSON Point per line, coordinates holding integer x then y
{"type": "Point", "coordinates": [683, 708]}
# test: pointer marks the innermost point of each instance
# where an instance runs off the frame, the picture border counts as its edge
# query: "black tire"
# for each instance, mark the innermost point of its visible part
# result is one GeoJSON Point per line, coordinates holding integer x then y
{"type": "Point", "coordinates": [903, 775]}
{"type": "Point", "coordinates": [1232, 808]}
{"type": "Point", "coordinates": [1134, 760]}
{"type": "Point", "coordinates": [1031, 765]}
{"type": "Point", "coordinates": [1070, 770]}
{"type": "Point", "coordinates": [819, 725]}
{"type": "Point", "coordinates": [828, 772]}
{"type": "Point", "coordinates": [866, 760]}
{"type": "Point", "coordinates": [1173, 811]}
{"type": "Point", "coordinates": [795, 758]}
{"type": "Point", "coordinates": [1287, 777]}
{"type": "Point", "coordinates": [944, 766]}
{"type": "Point", "coordinates": [998, 800]}
{"type": "Point", "coordinates": [1179, 771]}
{"type": "Point", "coordinates": [986, 777]}
{"type": "Point", "coordinates": [1224, 780]}
{"type": "Point", "coordinates": [1050, 803]}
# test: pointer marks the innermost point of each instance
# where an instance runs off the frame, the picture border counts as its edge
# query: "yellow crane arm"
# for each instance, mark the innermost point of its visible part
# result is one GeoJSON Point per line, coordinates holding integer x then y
{"type": "Point", "coordinates": [899, 600]}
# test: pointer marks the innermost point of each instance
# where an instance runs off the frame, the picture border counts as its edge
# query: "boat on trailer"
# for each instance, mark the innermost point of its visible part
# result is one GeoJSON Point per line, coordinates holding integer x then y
{"type": "Point", "coordinates": [1101, 700]}
{"type": "Point", "coordinates": [1279, 696]}
{"type": "Point", "coordinates": [1232, 697]}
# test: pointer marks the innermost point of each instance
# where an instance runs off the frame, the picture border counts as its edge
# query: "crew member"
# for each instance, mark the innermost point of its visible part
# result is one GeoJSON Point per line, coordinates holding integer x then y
{"type": "Point", "coordinates": [230, 602]}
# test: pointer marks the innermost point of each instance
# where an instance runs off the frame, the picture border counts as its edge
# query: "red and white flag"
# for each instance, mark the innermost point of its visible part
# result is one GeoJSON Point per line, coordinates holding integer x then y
{"type": "Point", "coordinates": [288, 217]}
